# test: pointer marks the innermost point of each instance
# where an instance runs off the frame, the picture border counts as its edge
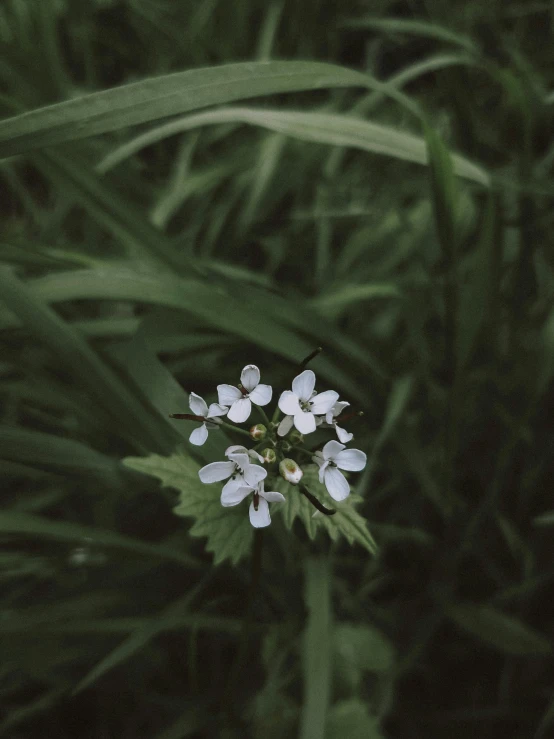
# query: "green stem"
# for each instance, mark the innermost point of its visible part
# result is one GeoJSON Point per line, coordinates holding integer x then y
{"type": "Point", "coordinates": [236, 429]}
{"type": "Point", "coordinates": [263, 414]}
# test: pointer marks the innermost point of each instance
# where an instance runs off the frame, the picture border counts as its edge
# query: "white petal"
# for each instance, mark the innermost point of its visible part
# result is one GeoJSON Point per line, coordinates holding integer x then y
{"type": "Point", "coordinates": [197, 405]}
{"type": "Point", "coordinates": [304, 422]}
{"type": "Point", "coordinates": [285, 425]}
{"type": "Point", "coordinates": [199, 435]}
{"type": "Point", "coordinates": [217, 410]}
{"type": "Point", "coordinates": [336, 484]}
{"type": "Point", "coordinates": [253, 454]}
{"type": "Point", "coordinates": [323, 402]}
{"type": "Point", "coordinates": [339, 406]}
{"type": "Point", "coordinates": [227, 394]}
{"type": "Point", "coordinates": [250, 377]}
{"type": "Point", "coordinates": [331, 449]}
{"type": "Point", "coordinates": [288, 403]}
{"type": "Point", "coordinates": [234, 496]}
{"type": "Point", "coordinates": [261, 395]}
{"type": "Point", "coordinates": [216, 471]}
{"type": "Point", "coordinates": [303, 385]}
{"type": "Point", "coordinates": [240, 410]}
{"type": "Point", "coordinates": [351, 459]}
{"type": "Point", "coordinates": [273, 497]}
{"type": "Point", "coordinates": [261, 517]}
{"type": "Point", "coordinates": [236, 449]}
{"type": "Point", "coordinates": [344, 436]}
{"type": "Point", "coordinates": [254, 474]}
{"type": "Point", "coordinates": [318, 458]}
{"type": "Point", "coordinates": [322, 471]}
{"type": "Point", "coordinates": [240, 459]}
{"type": "Point", "coordinates": [234, 483]}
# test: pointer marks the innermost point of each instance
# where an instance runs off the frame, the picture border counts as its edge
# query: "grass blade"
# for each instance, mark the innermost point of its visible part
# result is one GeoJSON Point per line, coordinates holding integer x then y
{"type": "Point", "coordinates": [168, 95]}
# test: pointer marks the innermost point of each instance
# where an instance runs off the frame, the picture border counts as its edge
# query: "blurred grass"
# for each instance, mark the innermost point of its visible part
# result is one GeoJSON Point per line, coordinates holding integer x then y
{"type": "Point", "coordinates": [142, 263]}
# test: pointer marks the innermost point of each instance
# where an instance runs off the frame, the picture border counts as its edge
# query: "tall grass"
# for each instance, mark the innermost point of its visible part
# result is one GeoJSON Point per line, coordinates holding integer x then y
{"type": "Point", "coordinates": [187, 188]}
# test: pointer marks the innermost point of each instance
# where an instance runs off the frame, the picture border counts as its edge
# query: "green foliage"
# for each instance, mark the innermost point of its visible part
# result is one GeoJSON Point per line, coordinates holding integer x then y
{"type": "Point", "coordinates": [345, 522]}
{"type": "Point", "coordinates": [186, 188]}
{"type": "Point", "coordinates": [499, 630]}
{"type": "Point", "coordinates": [228, 530]}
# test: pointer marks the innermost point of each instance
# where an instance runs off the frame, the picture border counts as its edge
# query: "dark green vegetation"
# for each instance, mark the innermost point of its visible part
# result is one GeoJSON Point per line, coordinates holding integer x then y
{"type": "Point", "coordinates": [283, 206]}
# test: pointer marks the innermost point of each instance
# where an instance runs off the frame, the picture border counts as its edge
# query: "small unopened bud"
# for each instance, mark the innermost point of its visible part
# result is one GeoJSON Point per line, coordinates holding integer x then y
{"type": "Point", "coordinates": [291, 471]}
{"type": "Point", "coordinates": [268, 455]}
{"type": "Point", "coordinates": [295, 437]}
{"type": "Point", "coordinates": [258, 431]}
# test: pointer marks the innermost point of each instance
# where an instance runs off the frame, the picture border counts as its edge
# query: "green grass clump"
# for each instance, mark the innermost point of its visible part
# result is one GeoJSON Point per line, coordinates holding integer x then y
{"type": "Point", "coordinates": [189, 187]}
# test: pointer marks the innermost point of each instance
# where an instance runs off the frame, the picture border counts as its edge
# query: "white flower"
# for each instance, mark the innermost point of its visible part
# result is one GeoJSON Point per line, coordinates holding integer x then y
{"type": "Point", "coordinates": [330, 459]}
{"type": "Point", "coordinates": [239, 469]}
{"type": "Point", "coordinates": [302, 404]}
{"type": "Point", "coordinates": [330, 421]}
{"type": "Point", "coordinates": [259, 509]}
{"type": "Point", "coordinates": [240, 401]}
{"type": "Point", "coordinates": [199, 407]}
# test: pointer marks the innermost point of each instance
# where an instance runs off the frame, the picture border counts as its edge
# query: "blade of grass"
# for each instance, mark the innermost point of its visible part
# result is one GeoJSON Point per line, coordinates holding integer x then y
{"type": "Point", "coordinates": [159, 97]}
{"type": "Point", "coordinates": [109, 390]}
{"type": "Point", "coordinates": [55, 454]}
{"type": "Point", "coordinates": [323, 128]}
{"type": "Point", "coordinates": [36, 526]}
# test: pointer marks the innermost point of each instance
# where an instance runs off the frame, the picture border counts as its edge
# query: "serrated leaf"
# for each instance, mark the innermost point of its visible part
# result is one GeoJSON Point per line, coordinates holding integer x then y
{"type": "Point", "coordinates": [346, 522]}
{"type": "Point", "coordinates": [498, 629]}
{"type": "Point", "coordinates": [228, 530]}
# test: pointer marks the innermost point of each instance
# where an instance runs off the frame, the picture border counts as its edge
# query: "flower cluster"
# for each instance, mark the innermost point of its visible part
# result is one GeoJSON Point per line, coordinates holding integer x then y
{"type": "Point", "coordinates": [245, 470]}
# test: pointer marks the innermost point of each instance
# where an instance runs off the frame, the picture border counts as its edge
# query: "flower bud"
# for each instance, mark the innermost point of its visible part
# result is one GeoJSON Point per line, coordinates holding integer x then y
{"type": "Point", "coordinates": [290, 471]}
{"type": "Point", "coordinates": [258, 431]}
{"type": "Point", "coordinates": [268, 455]}
{"type": "Point", "coordinates": [295, 437]}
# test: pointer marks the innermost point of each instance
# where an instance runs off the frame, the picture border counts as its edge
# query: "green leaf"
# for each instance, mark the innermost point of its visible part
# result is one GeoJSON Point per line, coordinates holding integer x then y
{"type": "Point", "coordinates": [345, 522]}
{"type": "Point", "coordinates": [363, 648]}
{"type": "Point", "coordinates": [414, 28]}
{"type": "Point", "coordinates": [545, 519]}
{"type": "Point", "coordinates": [31, 526]}
{"type": "Point", "coordinates": [168, 95]}
{"type": "Point", "coordinates": [56, 454]}
{"type": "Point", "coordinates": [73, 352]}
{"type": "Point", "coordinates": [352, 719]}
{"type": "Point", "coordinates": [499, 630]}
{"type": "Point", "coordinates": [228, 530]}
{"type": "Point", "coordinates": [139, 638]}
{"type": "Point", "coordinates": [322, 128]}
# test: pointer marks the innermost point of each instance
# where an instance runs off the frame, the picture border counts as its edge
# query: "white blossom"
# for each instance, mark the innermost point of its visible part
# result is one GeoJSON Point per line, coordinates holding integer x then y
{"type": "Point", "coordinates": [333, 458]}
{"type": "Point", "coordinates": [239, 469]}
{"type": "Point", "coordinates": [199, 407]}
{"type": "Point", "coordinates": [259, 508]}
{"type": "Point", "coordinates": [303, 404]}
{"type": "Point", "coordinates": [330, 421]}
{"type": "Point", "coordinates": [240, 401]}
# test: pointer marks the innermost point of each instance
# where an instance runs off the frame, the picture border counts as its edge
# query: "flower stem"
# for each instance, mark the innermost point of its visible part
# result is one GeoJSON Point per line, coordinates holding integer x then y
{"type": "Point", "coordinates": [263, 414]}
{"type": "Point", "coordinates": [236, 429]}
{"type": "Point", "coordinates": [311, 356]}
{"type": "Point", "coordinates": [315, 502]}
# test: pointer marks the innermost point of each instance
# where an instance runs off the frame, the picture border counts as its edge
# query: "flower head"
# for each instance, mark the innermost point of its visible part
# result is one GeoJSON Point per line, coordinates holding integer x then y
{"type": "Point", "coordinates": [333, 458]}
{"type": "Point", "coordinates": [302, 405]}
{"type": "Point", "coordinates": [239, 469]}
{"type": "Point", "coordinates": [259, 508]}
{"type": "Point", "coordinates": [210, 415]}
{"type": "Point", "coordinates": [240, 401]}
